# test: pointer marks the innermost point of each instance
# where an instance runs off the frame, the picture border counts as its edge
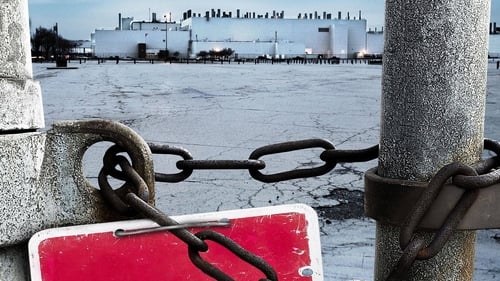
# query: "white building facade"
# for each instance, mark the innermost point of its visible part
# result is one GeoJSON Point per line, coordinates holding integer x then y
{"type": "Point", "coordinates": [249, 37]}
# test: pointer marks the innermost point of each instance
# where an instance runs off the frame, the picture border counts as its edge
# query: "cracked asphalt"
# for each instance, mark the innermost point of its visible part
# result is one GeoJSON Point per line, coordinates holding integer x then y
{"type": "Point", "coordinates": [227, 111]}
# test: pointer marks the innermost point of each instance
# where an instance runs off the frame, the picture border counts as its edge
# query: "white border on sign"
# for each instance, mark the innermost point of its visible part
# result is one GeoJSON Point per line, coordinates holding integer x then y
{"type": "Point", "coordinates": [312, 231]}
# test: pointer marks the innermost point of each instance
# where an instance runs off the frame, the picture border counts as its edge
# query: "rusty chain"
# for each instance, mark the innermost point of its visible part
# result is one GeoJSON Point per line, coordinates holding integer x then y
{"type": "Point", "coordinates": [132, 197]}
{"type": "Point", "coordinates": [330, 156]}
{"type": "Point", "coordinates": [470, 178]}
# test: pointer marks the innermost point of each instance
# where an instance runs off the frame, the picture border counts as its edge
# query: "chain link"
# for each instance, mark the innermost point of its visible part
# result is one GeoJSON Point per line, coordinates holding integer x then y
{"type": "Point", "coordinates": [415, 247]}
{"type": "Point", "coordinates": [209, 269]}
{"type": "Point", "coordinates": [350, 156]}
{"type": "Point", "coordinates": [254, 164]}
{"type": "Point", "coordinates": [424, 203]}
{"type": "Point", "coordinates": [178, 151]}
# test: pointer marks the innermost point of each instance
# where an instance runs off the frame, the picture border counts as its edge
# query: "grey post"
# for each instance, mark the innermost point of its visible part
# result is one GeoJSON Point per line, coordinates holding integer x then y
{"type": "Point", "coordinates": [42, 184]}
{"type": "Point", "coordinates": [433, 103]}
{"type": "Point", "coordinates": [20, 109]}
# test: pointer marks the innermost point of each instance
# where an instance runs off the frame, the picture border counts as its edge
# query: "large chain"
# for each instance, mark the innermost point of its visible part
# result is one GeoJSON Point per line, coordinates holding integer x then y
{"type": "Point", "coordinates": [330, 156]}
{"type": "Point", "coordinates": [471, 178]}
{"type": "Point", "coordinates": [131, 197]}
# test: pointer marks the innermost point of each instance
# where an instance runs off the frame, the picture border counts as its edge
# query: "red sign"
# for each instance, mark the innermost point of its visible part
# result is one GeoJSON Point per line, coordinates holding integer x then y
{"type": "Point", "coordinates": [286, 237]}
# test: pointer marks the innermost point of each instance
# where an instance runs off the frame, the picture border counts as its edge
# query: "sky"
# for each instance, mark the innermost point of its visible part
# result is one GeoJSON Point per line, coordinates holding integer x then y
{"type": "Point", "coordinates": [77, 19]}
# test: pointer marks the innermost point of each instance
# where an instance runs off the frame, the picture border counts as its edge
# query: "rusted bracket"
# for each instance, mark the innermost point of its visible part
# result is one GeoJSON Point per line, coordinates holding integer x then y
{"type": "Point", "coordinates": [389, 201]}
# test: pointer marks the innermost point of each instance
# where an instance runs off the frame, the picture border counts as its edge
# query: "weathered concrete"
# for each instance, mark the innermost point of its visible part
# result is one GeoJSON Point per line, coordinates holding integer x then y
{"type": "Point", "coordinates": [20, 96]}
{"type": "Point", "coordinates": [434, 90]}
{"type": "Point", "coordinates": [21, 155]}
{"type": "Point", "coordinates": [43, 183]}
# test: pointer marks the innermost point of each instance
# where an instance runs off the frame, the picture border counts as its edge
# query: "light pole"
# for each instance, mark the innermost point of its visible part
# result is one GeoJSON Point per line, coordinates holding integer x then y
{"type": "Point", "coordinates": [168, 17]}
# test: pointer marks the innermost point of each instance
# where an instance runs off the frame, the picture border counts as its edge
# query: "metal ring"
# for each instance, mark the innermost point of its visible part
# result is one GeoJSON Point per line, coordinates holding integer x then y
{"type": "Point", "coordinates": [449, 226]}
{"type": "Point", "coordinates": [288, 147]}
{"type": "Point", "coordinates": [178, 151]}
{"type": "Point", "coordinates": [110, 163]}
{"type": "Point", "coordinates": [428, 197]}
{"type": "Point", "coordinates": [93, 131]}
{"type": "Point", "coordinates": [134, 183]}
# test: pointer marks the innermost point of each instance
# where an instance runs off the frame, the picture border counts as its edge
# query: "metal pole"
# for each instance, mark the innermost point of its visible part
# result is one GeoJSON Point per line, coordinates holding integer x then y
{"type": "Point", "coordinates": [433, 103]}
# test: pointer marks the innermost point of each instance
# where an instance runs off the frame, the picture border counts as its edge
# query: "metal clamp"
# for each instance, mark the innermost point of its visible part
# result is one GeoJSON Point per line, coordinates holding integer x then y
{"type": "Point", "coordinates": [389, 201]}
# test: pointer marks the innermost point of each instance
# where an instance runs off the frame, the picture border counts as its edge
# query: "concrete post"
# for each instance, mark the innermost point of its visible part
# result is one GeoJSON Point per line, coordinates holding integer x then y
{"type": "Point", "coordinates": [20, 97]}
{"type": "Point", "coordinates": [20, 109]}
{"type": "Point", "coordinates": [42, 184]}
{"type": "Point", "coordinates": [433, 100]}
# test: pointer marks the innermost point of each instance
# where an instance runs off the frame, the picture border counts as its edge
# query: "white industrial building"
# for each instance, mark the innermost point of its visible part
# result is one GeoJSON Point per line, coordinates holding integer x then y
{"type": "Point", "coordinates": [249, 36]}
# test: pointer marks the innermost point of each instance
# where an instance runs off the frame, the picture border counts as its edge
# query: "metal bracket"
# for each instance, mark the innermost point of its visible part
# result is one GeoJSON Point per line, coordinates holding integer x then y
{"type": "Point", "coordinates": [390, 200]}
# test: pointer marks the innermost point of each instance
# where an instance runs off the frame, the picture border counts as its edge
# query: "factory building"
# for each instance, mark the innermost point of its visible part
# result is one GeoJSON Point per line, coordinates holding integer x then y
{"type": "Point", "coordinates": [250, 35]}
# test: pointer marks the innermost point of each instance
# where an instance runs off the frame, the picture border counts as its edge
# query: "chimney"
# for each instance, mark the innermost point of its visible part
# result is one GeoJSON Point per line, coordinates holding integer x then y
{"type": "Point", "coordinates": [316, 15]}
{"type": "Point", "coordinates": [282, 14]}
{"type": "Point", "coordinates": [184, 16]}
{"type": "Point", "coordinates": [119, 21]}
{"type": "Point", "coordinates": [311, 16]}
{"type": "Point", "coordinates": [207, 14]}
{"type": "Point", "coordinates": [340, 15]}
{"type": "Point", "coordinates": [154, 17]}
{"type": "Point", "coordinates": [213, 13]}
{"type": "Point", "coordinates": [218, 13]}
{"type": "Point", "coordinates": [348, 16]}
{"type": "Point", "coordinates": [274, 14]}
{"type": "Point", "coordinates": [189, 13]}
{"type": "Point", "coordinates": [359, 14]}
{"type": "Point", "coordinates": [238, 13]}
{"type": "Point", "coordinates": [324, 15]}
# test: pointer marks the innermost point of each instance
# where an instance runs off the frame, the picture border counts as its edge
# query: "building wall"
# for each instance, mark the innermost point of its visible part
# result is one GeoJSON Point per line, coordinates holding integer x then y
{"type": "Point", "coordinates": [303, 31]}
{"type": "Point", "coordinates": [249, 37]}
{"type": "Point", "coordinates": [252, 49]}
{"type": "Point", "coordinates": [124, 43]}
